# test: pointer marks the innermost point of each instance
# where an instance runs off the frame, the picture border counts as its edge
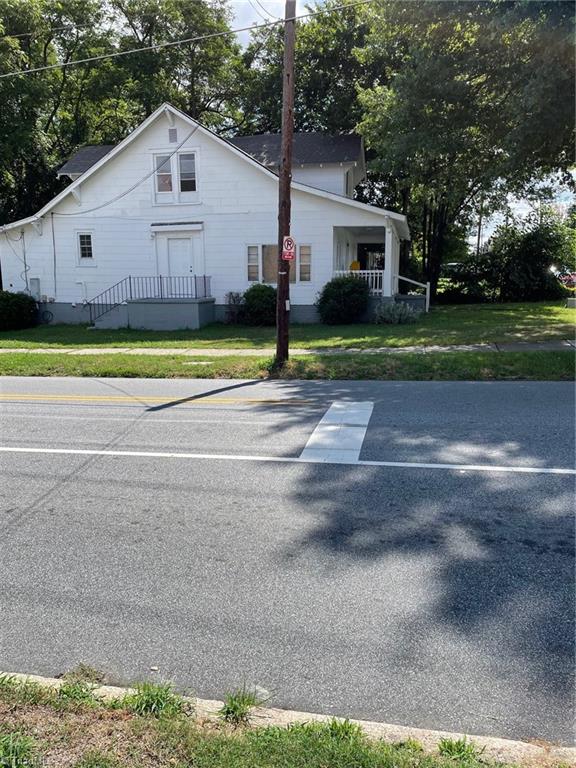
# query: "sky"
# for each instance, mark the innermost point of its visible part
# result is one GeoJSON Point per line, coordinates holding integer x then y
{"type": "Point", "coordinates": [248, 12]}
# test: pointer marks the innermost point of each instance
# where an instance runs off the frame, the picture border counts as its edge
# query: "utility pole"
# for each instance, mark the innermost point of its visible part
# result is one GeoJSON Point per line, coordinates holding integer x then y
{"type": "Point", "coordinates": [285, 178]}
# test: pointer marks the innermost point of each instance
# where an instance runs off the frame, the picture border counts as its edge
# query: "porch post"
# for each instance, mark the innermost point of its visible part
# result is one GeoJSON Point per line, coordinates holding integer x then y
{"type": "Point", "coordinates": [387, 277]}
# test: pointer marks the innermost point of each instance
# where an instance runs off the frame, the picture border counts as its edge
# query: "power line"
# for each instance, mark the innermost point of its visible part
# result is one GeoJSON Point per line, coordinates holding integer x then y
{"type": "Point", "coordinates": [70, 27]}
{"type": "Point", "coordinates": [158, 46]}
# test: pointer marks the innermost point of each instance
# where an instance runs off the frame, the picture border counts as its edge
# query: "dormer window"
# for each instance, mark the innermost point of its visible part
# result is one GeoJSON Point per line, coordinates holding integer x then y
{"type": "Point", "coordinates": [163, 173]}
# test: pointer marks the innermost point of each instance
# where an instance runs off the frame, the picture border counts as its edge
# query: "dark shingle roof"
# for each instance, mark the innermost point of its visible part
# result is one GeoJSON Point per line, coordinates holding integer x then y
{"type": "Point", "coordinates": [85, 158]}
{"type": "Point", "coordinates": [309, 148]}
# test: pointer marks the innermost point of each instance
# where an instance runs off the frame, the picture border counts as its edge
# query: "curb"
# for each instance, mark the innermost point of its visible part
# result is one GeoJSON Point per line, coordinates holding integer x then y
{"type": "Point", "coordinates": [502, 750]}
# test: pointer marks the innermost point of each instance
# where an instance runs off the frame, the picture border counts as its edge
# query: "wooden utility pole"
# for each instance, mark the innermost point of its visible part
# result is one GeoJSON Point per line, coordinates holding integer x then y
{"type": "Point", "coordinates": [285, 179]}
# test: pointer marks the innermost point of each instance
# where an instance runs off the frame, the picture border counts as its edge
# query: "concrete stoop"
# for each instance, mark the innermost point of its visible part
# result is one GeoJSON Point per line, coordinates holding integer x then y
{"type": "Point", "coordinates": [533, 753]}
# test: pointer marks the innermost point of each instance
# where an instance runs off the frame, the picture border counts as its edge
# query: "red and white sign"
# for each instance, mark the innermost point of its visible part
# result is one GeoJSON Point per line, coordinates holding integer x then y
{"type": "Point", "coordinates": [288, 249]}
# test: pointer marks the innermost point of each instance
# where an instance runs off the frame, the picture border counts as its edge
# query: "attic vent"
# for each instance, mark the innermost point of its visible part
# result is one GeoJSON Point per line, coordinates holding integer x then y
{"type": "Point", "coordinates": [172, 135]}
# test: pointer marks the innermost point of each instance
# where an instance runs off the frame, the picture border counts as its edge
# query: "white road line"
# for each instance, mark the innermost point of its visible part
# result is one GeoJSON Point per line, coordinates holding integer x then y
{"type": "Point", "coordinates": [290, 460]}
{"type": "Point", "coordinates": [339, 434]}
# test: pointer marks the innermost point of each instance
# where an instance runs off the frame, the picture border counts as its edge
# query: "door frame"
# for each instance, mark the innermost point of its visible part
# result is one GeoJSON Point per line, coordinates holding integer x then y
{"type": "Point", "coordinates": [161, 234]}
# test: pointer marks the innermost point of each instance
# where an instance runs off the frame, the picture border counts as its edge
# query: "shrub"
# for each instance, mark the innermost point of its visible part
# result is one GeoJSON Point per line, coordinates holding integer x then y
{"type": "Point", "coordinates": [343, 300]}
{"type": "Point", "coordinates": [259, 305]}
{"type": "Point", "coordinates": [395, 313]}
{"type": "Point", "coordinates": [17, 310]}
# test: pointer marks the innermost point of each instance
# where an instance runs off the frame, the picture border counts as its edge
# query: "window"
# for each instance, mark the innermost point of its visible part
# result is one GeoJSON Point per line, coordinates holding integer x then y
{"type": "Point", "coordinates": [187, 168]}
{"type": "Point", "coordinates": [253, 264]}
{"type": "Point", "coordinates": [163, 173]}
{"type": "Point", "coordinates": [305, 263]}
{"type": "Point", "coordinates": [85, 246]}
{"type": "Point", "coordinates": [173, 135]}
{"type": "Point", "coordinates": [263, 261]}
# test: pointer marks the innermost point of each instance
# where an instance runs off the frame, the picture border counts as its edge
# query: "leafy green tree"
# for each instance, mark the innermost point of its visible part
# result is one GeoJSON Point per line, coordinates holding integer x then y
{"type": "Point", "coordinates": [451, 120]}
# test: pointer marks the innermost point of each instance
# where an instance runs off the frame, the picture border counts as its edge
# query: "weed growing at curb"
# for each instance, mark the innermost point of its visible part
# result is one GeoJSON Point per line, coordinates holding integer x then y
{"type": "Point", "coordinates": [238, 706]}
{"type": "Point", "coordinates": [459, 749]}
{"type": "Point", "coordinates": [84, 673]}
{"type": "Point", "coordinates": [77, 692]}
{"type": "Point", "coordinates": [155, 699]}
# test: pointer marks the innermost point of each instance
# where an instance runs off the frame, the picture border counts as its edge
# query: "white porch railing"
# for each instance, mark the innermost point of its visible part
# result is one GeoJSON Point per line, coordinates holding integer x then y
{"type": "Point", "coordinates": [426, 286]}
{"type": "Point", "coordinates": [374, 278]}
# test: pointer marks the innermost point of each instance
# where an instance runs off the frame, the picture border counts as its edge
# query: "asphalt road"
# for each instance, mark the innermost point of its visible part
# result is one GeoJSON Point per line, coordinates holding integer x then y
{"type": "Point", "coordinates": [432, 597]}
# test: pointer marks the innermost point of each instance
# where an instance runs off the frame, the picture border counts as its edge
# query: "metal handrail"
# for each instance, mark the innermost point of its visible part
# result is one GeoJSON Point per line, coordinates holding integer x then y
{"type": "Point", "coordinates": [135, 287]}
{"type": "Point", "coordinates": [422, 285]}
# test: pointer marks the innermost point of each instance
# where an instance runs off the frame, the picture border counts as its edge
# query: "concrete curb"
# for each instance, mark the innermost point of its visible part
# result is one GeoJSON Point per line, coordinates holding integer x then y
{"type": "Point", "coordinates": [502, 750]}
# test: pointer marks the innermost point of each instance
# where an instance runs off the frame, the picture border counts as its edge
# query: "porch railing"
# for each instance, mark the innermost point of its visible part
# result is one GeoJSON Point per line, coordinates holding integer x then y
{"type": "Point", "coordinates": [426, 287]}
{"type": "Point", "coordinates": [136, 287]}
{"type": "Point", "coordinates": [374, 278]}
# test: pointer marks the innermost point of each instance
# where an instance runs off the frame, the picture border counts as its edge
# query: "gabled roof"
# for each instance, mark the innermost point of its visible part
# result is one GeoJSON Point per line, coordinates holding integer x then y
{"type": "Point", "coordinates": [84, 158]}
{"type": "Point", "coordinates": [308, 148]}
{"type": "Point", "coordinates": [398, 219]}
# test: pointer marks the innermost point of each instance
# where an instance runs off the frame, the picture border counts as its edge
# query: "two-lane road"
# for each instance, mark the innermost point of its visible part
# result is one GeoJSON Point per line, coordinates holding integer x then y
{"type": "Point", "coordinates": [181, 524]}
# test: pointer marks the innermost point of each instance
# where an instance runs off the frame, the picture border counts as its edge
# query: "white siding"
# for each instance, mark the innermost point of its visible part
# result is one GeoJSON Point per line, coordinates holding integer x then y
{"type": "Point", "coordinates": [237, 206]}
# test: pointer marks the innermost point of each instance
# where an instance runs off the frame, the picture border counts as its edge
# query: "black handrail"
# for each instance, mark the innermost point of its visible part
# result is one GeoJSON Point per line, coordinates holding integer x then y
{"type": "Point", "coordinates": [136, 287]}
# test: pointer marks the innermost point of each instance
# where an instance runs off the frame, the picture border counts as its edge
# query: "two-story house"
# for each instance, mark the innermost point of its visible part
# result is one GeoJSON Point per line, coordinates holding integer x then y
{"type": "Point", "coordinates": [159, 229]}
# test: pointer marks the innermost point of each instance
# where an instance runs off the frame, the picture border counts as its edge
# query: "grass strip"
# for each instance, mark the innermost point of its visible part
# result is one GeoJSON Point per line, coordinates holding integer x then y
{"type": "Point", "coordinates": [467, 324]}
{"type": "Point", "coordinates": [440, 366]}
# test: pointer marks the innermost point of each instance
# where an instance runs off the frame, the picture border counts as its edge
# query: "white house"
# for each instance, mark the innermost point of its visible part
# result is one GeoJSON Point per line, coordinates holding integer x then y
{"type": "Point", "coordinates": [158, 230]}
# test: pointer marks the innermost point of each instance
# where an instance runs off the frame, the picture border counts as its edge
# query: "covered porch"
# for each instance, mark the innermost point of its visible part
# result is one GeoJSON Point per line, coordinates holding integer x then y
{"type": "Point", "coordinates": [373, 254]}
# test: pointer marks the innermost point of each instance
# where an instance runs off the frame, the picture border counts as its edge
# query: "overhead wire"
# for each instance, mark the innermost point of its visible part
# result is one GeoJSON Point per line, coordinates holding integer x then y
{"type": "Point", "coordinates": [171, 43]}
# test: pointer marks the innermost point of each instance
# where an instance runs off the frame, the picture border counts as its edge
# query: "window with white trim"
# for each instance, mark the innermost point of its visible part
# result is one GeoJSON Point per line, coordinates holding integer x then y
{"type": "Point", "coordinates": [85, 252]}
{"type": "Point", "coordinates": [163, 167]}
{"type": "Point", "coordinates": [253, 264]}
{"type": "Point", "coordinates": [187, 171]}
{"type": "Point", "coordinates": [305, 264]}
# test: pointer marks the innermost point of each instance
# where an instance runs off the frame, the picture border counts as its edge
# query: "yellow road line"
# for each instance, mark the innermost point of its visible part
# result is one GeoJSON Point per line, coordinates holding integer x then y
{"type": "Point", "coordinates": [207, 400]}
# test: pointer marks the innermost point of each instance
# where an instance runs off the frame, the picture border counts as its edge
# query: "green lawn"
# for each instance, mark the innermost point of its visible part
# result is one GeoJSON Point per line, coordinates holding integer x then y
{"type": "Point", "coordinates": [443, 325]}
{"type": "Point", "coordinates": [440, 366]}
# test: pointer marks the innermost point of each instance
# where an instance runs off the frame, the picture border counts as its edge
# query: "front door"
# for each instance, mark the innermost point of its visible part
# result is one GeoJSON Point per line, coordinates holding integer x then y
{"type": "Point", "coordinates": [180, 256]}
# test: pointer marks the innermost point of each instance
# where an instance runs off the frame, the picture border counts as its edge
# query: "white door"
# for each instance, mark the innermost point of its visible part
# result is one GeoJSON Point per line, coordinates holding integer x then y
{"type": "Point", "coordinates": [180, 256]}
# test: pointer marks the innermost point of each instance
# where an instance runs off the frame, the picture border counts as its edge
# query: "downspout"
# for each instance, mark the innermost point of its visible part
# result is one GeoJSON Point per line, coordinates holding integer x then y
{"type": "Point", "coordinates": [53, 254]}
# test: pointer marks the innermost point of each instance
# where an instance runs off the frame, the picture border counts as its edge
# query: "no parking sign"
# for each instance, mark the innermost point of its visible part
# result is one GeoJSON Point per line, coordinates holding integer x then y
{"type": "Point", "coordinates": [288, 249]}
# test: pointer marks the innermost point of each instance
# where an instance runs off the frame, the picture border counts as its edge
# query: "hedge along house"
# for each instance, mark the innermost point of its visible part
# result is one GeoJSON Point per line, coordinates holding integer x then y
{"type": "Point", "coordinates": [157, 231]}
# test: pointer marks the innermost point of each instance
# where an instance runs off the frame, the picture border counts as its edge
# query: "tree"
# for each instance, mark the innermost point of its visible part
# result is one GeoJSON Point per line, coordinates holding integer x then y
{"type": "Point", "coordinates": [45, 116]}
{"type": "Point", "coordinates": [451, 118]}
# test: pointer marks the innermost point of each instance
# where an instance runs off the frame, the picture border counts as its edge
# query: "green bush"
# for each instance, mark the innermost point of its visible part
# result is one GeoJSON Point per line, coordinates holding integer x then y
{"type": "Point", "coordinates": [516, 265]}
{"type": "Point", "coordinates": [343, 300]}
{"type": "Point", "coordinates": [395, 313]}
{"type": "Point", "coordinates": [259, 305]}
{"type": "Point", "coordinates": [17, 310]}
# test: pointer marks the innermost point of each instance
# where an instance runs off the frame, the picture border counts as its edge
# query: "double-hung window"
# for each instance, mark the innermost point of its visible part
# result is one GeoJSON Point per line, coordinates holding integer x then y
{"type": "Point", "coordinates": [163, 173]}
{"type": "Point", "coordinates": [176, 177]}
{"type": "Point", "coordinates": [85, 249]}
{"type": "Point", "coordinates": [187, 172]}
